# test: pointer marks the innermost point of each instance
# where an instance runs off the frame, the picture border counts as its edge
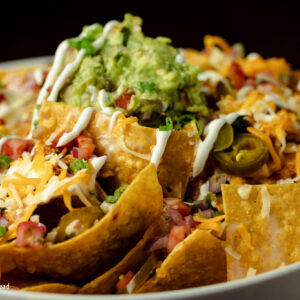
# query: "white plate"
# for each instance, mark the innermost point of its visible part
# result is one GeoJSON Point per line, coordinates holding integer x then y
{"type": "Point", "coordinates": [276, 285]}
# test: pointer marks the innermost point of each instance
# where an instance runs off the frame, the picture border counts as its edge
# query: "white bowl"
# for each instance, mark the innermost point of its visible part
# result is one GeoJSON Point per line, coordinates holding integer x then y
{"type": "Point", "coordinates": [276, 285]}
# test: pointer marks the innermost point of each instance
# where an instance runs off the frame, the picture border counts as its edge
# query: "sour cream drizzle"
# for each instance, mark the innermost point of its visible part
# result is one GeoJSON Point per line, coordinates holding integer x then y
{"type": "Point", "coordinates": [97, 163]}
{"type": "Point", "coordinates": [81, 124]}
{"type": "Point", "coordinates": [113, 120]}
{"type": "Point", "coordinates": [211, 132]}
{"type": "Point", "coordinates": [69, 69]}
{"type": "Point", "coordinates": [57, 66]}
{"type": "Point", "coordinates": [102, 97]}
{"type": "Point", "coordinates": [162, 138]}
{"type": "Point", "coordinates": [57, 77]}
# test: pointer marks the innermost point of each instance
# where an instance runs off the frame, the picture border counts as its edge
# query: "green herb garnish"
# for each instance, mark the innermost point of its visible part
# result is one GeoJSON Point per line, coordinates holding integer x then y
{"type": "Point", "coordinates": [38, 106]}
{"type": "Point", "coordinates": [117, 194]}
{"type": "Point", "coordinates": [36, 124]}
{"type": "Point", "coordinates": [148, 86]}
{"type": "Point", "coordinates": [5, 161]}
{"type": "Point", "coordinates": [168, 126]}
{"type": "Point", "coordinates": [86, 40]}
{"type": "Point", "coordinates": [79, 164]}
{"type": "Point", "coordinates": [167, 218]}
{"type": "Point", "coordinates": [2, 231]}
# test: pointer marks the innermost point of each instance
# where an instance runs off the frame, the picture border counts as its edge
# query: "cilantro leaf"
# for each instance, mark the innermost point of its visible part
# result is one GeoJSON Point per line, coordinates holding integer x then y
{"type": "Point", "coordinates": [86, 40]}
{"type": "Point", "coordinates": [148, 86]}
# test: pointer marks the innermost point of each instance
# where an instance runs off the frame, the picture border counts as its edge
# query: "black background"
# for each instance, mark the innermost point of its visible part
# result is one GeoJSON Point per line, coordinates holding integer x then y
{"type": "Point", "coordinates": [271, 28]}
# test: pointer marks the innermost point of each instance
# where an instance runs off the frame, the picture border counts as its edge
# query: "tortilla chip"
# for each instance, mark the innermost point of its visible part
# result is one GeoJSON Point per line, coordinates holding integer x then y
{"type": "Point", "coordinates": [99, 248]}
{"type": "Point", "coordinates": [35, 283]}
{"type": "Point", "coordinates": [128, 146]}
{"type": "Point", "coordinates": [261, 237]}
{"type": "Point", "coordinates": [106, 283]}
{"type": "Point", "coordinates": [199, 260]}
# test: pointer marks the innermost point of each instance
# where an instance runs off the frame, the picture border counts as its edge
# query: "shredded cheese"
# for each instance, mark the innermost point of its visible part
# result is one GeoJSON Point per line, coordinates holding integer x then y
{"type": "Point", "coordinates": [266, 202]}
{"type": "Point", "coordinates": [233, 253]}
{"type": "Point", "coordinates": [263, 136]}
{"type": "Point", "coordinates": [251, 272]}
{"type": "Point", "coordinates": [245, 235]}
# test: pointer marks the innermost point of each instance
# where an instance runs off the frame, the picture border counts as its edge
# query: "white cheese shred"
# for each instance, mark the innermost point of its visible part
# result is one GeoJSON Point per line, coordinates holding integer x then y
{"type": "Point", "coordinates": [233, 253]}
{"type": "Point", "coordinates": [266, 202]}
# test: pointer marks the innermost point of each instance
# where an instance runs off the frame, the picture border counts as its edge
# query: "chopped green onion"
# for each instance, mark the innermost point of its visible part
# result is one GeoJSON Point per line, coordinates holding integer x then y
{"type": "Point", "coordinates": [117, 194]}
{"type": "Point", "coordinates": [2, 231]}
{"type": "Point", "coordinates": [5, 161]}
{"type": "Point", "coordinates": [186, 119]}
{"type": "Point", "coordinates": [79, 164]}
{"type": "Point", "coordinates": [36, 124]}
{"type": "Point", "coordinates": [38, 106]}
{"type": "Point", "coordinates": [168, 126]}
{"type": "Point", "coordinates": [167, 218]}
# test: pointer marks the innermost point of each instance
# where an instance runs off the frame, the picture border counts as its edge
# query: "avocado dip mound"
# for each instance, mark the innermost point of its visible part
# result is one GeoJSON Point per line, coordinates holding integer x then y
{"type": "Point", "coordinates": [142, 76]}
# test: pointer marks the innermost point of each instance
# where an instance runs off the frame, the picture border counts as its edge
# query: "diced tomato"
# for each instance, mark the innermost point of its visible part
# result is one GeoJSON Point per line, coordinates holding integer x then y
{"type": "Point", "coordinates": [124, 100]}
{"type": "Point", "coordinates": [83, 152]}
{"type": "Point", "coordinates": [184, 209]}
{"type": "Point", "coordinates": [2, 97]}
{"type": "Point", "coordinates": [85, 147]}
{"type": "Point", "coordinates": [176, 203]}
{"type": "Point", "coordinates": [30, 235]}
{"type": "Point", "coordinates": [176, 236]}
{"type": "Point", "coordinates": [84, 140]}
{"type": "Point", "coordinates": [15, 147]}
{"type": "Point", "coordinates": [237, 75]}
{"type": "Point", "coordinates": [122, 283]}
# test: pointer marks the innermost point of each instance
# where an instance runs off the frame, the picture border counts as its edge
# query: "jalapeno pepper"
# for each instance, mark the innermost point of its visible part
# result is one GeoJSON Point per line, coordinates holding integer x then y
{"type": "Point", "coordinates": [247, 154]}
{"type": "Point", "coordinates": [224, 139]}
{"type": "Point", "coordinates": [142, 275]}
{"type": "Point", "coordinates": [85, 215]}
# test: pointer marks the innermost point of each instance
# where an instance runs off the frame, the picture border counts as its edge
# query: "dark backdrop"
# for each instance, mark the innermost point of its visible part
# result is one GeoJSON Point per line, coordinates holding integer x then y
{"type": "Point", "coordinates": [270, 28]}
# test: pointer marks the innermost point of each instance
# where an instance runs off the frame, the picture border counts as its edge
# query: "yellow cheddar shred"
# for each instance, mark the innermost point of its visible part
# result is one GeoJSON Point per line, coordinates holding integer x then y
{"type": "Point", "coordinates": [266, 138]}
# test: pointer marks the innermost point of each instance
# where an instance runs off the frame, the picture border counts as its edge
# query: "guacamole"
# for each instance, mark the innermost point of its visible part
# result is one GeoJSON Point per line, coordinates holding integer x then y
{"type": "Point", "coordinates": [142, 76]}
